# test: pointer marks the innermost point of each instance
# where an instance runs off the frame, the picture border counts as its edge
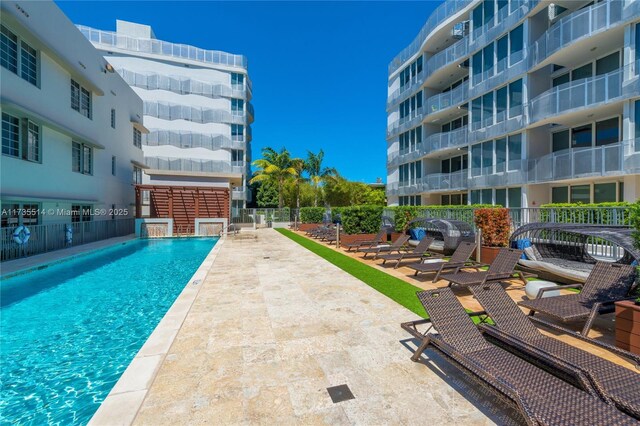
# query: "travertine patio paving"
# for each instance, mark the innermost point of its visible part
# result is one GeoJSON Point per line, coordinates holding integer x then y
{"type": "Point", "coordinates": [274, 325]}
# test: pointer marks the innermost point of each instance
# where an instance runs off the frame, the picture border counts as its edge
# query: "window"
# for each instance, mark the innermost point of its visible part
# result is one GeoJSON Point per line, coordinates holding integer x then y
{"type": "Point", "coordinates": [584, 71]}
{"type": "Point", "coordinates": [581, 136]}
{"type": "Point", "coordinates": [237, 132]}
{"type": "Point", "coordinates": [487, 109]}
{"type": "Point", "coordinates": [514, 149]}
{"type": "Point", "coordinates": [516, 37]}
{"type": "Point", "coordinates": [80, 99]}
{"type": "Point", "coordinates": [8, 50]}
{"type": "Point", "coordinates": [476, 112]}
{"type": "Point", "coordinates": [581, 194]}
{"type": "Point", "coordinates": [607, 131]}
{"type": "Point", "coordinates": [487, 157]}
{"type": "Point", "coordinates": [137, 138]}
{"type": "Point", "coordinates": [18, 213]}
{"type": "Point", "coordinates": [237, 155]}
{"type": "Point", "coordinates": [515, 98]}
{"type": "Point", "coordinates": [604, 192]}
{"type": "Point", "coordinates": [476, 18]}
{"type": "Point", "coordinates": [486, 196]}
{"type": "Point", "coordinates": [637, 120]}
{"type": "Point", "coordinates": [81, 158]}
{"type": "Point", "coordinates": [237, 106]}
{"type": "Point", "coordinates": [564, 78]}
{"type": "Point", "coordinates": [445, 200]}
{"type": "Point", "coordinates": [501, 104]}
{"type": "Point", "coordinates": [476, 160]}
{"type": "Point", "coordinates": [29, 63]}
{"type": "Point", "coordinates": [476, 65]}
{"type": "Point", "coordinates": [501, 154]}
{"type": "Point", "coordinates": [137, 175]}
{"type": "Point", "coordinates": [560, 194]}
{"type": "Point", "coordinates": [487, 59]}
{"type": "Point", "coordinates": [10, 135]}
{"type": "Point", "coordinates": [113, 118]}
{"type": "Point", "coordinates": [501, 197]}
{"type": "Point", "coordinates": [31, 142]}
{"type": "Point", "coordinates": [10, 215]}
{"type": "Point", "coordinates": [560, 141]}
{"type": "Point", "coordinates": [489, 11]}
{"type": "Point", "coordinates": [113, 165]}
{"type": "Point", "coordinates": [237, 79]}
{"type": "Point", "coordinates": [514, 198]}
{"type": "Point", "coordinates": [502, 52]}
{"type": "Point", "coordinates": [79, 212]}
{"type": "Point", "coordinates": [608, 63]}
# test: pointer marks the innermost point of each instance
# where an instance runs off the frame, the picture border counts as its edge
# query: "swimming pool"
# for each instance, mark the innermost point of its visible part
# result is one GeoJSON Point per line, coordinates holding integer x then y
{"type": "Point", "coordinates": [69, 331]}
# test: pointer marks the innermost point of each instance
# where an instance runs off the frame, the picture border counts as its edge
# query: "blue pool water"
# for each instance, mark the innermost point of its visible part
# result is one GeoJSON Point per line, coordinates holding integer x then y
{"type": "Point", "coordinates": [69, 331]}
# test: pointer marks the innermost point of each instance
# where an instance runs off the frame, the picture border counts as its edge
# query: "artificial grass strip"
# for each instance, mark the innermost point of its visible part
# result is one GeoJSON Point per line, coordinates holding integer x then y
{"type": "Point", "coordinates": [394, 288]}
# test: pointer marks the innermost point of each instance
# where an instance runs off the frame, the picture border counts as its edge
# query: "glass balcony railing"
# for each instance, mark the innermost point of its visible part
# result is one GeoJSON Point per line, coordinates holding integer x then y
{"type": "Point", "coordinates": [586, 92]}
{"type": "Point", "coordinates": [158, 47]}
{"type": "Point", "coordinates": [501, 73]}
{"type": "Point", "coordinates": [167, 111]}
{"type": "Point", "coordinates": [614, 159]}
{"type": "Point", "coordinates": [432, 144]}
{"type": "Point", "coordinates": [430, 183]}
{"type": "Point", "coordinates": [240, 194]}
{"type": "Point", "coordinates": [183, 86]}
{"type": "Point", "coordinates": [406, 123]}
{"type": "Point", "coordinates": [444, 101]}
{"type": "Point", "coordinates": [194, 165]}
{"type": "Point", "coordinates": [504, 20]}
{"type": "Point", "coordinates": [584, 22]}
{"type": "Point", "coordinates": [445, 11]}
{"type": "Point", "coordinates": [192, 140]}
{"type": "Point", "coordinates": [501, 174]}
{"type": "Point", "coordinates": [492, 128]}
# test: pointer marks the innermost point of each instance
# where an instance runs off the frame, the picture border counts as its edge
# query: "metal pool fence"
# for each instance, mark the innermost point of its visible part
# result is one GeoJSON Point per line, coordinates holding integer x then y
{"type": "Point", "coordinates": [53, 236]}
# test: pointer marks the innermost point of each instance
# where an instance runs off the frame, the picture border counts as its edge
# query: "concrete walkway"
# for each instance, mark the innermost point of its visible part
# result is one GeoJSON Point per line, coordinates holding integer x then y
{"type": "Point", "coordinates": [274, 325]}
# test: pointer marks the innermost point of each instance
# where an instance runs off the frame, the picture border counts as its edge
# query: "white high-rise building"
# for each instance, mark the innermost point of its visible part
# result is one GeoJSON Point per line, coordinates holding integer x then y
{"type": "Point", "coordinates": [518, 103]}
{"type": "Point", "coordinates": [69, 126]}
{"type": "Point", "coordinates": [197, 109]}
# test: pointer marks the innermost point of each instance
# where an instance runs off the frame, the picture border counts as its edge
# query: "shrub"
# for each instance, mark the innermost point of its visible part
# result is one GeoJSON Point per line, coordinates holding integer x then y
{"type": "Point", "coordinates": [586, 213]}
{"type": "Point", "coordinates": [361, 219]}
{"type": "Point", "coordinates": [634, 218]}
{"type": "Point", "coordinates": [311, 214]}
{"type": "Point", "coordinates": [405, 214]}
{"type": "Point", "coordinates": [495, 225]}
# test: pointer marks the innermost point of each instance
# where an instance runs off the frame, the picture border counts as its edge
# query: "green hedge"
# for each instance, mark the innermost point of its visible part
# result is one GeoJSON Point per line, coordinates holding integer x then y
{"type": "Point", "coordinates": [635, 223]}
{"type": "Point", "coordinates": [587, 213]}
{"type": "Point", "coordinates": [360, 219]}
{"type": "Point", "coordinates": [311, 214]}
{"type": "Point", "coordinates": [405, 214]}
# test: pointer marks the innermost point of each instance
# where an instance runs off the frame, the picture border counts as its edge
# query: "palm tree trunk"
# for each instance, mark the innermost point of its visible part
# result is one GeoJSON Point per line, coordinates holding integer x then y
{"type": "Point", "coordinates": [315, 194]}
{"type": "Point", "coordinates": [280, 197]}
{"type": "Point", "coordinates": [298, 195]}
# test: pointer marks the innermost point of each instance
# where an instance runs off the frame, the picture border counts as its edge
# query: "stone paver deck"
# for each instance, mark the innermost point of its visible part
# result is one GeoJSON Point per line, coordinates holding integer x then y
{"type": "Point", "coordinates": [274, 325]}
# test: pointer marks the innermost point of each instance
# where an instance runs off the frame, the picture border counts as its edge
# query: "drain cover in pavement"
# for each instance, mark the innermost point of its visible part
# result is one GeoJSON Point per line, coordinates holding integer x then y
{"type": "Point", "coordinates": [340, 393]}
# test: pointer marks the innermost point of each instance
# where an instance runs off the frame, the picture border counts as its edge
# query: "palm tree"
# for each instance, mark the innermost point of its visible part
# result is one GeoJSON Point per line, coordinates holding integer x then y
{"type": "Point", "coordinates": [275, 167]}
{"type": "Point", "coordinates": [299, 165]}
{"type": "Point", "coordinates": [317, 174]}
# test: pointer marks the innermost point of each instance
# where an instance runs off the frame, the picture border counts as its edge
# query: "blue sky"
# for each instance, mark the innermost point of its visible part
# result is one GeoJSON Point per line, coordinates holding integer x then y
{"type": "Point", "coordinates": [319, 69]}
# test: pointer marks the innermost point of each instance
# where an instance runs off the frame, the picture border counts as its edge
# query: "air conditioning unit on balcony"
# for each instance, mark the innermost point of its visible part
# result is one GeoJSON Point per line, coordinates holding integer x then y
{"type": "Point", "coordinates": [460, 30]}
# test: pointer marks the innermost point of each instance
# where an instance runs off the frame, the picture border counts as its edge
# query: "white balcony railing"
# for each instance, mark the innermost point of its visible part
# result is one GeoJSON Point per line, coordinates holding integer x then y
{"type": "Point", "coordinates": [586, 92]}
{"type": "Point", "coordinates": [158, 47]}
{"type": "Point", "coordinates": [445, 11]}
{"type": "Point", "coordinates": [194, 165]}
{"type": "Point", "coordinates": [167, 111]}
{"type": "Point", "coordinates": [157, 137]}
{"type": "Point", "coordinates": [584, 22]}
{"type": "Point", "coordinates": [432, 144]}
{"type": "Point", "coordinates": [452, 98]}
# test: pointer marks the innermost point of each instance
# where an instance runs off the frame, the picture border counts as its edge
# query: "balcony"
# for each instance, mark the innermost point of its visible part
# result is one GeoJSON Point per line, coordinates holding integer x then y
{"type": "Point", "coordinates": [406, 123]}
{"type": "Point", "coordinates": [501, 73]}
{"type": "Point", "coordinates": [506, 20]}
{"type": "Point", "coordinates": [455, 181]}
{"type": "Point", "coordinates": [608, 160]}
{"type": "Point", "coordinates": [587, 92]}
{"type": "Point", "coordinates": [192, 140]}
{"type": "Point", "coordinates": [167, 111]}
{"type": "Point", "coordinates": [503, 174]}
{"type": "Point", "coordinates": [444, 101]}
{"type": "Point", "coordinates": [489, 129]}
{"type": "Point", "coordinates": [582, 23]}
{"type": "Point", "coordinates": [240, 194]}
{"type": "Point", "coordinates": [433, 144]}
{"type": "Point", "coordinates": [182, 86]}
{"type": "Point", "coordinates": [194, 165]}
{"type": "Point", "coordinates": [445, 11]}
{"type": "Point", "coordinates": [108, 39]}
{"type": "Point", "coordinates": [405, 91]}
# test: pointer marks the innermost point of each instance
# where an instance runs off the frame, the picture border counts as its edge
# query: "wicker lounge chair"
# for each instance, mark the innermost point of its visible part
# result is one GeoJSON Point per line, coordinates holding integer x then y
{"type": "Point", "coordinates": [501, 269]}
{"type": "Point", "coordinates": [418, 252]}
{"type": "Point", "coordinates": [607, 283]}
{"type": "Point", "coordinates": [395, 246]}
{"type": "Point", "coordinates": [541, 397]}
{"type": "Point", "coordinates": [459, 259]}
{"type": "Point", "coordinates": [613, 382]}
{"type": "Point", "coordinates": [379, 238]}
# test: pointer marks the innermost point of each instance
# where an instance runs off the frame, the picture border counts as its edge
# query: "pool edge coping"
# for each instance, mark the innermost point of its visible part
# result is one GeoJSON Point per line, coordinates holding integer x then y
{"type": "Point", "coordinates": [122, 404]}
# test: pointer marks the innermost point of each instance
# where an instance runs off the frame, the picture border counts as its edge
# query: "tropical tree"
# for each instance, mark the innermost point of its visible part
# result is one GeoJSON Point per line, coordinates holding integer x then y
{"type": "Point", "coordinates": [299, 165]}
{"type": "Point", "coordinates": [317, 173]}
{"type": "Point", "coordinates": [275, 167]}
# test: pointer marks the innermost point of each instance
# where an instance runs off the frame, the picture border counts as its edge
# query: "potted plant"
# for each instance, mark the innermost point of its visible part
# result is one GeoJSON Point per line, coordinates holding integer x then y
{"type": "Point", "coordinates": [495, 225]}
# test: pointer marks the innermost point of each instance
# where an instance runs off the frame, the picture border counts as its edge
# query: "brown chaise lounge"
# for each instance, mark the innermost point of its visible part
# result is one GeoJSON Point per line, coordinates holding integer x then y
{"type": "Point", "coordinates": [512, 328]}
{"type": "Point", "coordinates": [395, 246]}
{"type": "Point", "coordinates": [501, 269]}
{"type": "Point", "coordinates": [418, 252]}
{"type": "Point", "coordinates": [378, 239]}
{"type": "Point", "coordinates": [459, 259]}
{"type": "Point", "coordinates": [607, 283]}
{"type": "Point", "coordinates": [541, 397]}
